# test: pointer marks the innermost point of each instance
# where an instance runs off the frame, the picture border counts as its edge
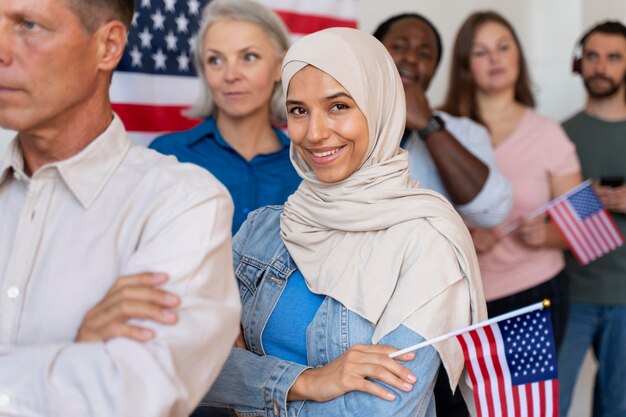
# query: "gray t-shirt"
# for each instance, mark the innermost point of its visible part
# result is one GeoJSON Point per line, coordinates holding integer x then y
{"type": "Point", "coordinates": [601, 148]}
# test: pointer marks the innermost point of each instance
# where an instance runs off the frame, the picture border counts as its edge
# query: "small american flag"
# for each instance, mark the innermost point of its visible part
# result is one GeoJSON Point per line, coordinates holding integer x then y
{"type": "Point", "coordinates": [586, 225]}
{"type": "Point", "coordinates": [513, 366]}
{"type": "Point", "coordinates": [156, 79]}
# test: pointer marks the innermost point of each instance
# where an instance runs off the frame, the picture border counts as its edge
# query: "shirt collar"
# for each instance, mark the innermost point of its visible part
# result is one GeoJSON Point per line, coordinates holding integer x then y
{"type": "Point", "coordinates": [86, 173]}
{"type": "Point", "coordinates": [208, 129]}
{"type": "Point", "coordinates": [12, 160]}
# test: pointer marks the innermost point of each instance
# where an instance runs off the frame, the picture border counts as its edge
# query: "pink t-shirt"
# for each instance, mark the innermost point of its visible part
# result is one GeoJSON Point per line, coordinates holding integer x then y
{"type": "Point", "coordinates": [536, 151]}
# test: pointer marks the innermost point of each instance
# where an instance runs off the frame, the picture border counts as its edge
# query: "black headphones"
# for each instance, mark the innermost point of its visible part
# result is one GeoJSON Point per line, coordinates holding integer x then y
{"type": "Point", "coordinates": [611, 27]}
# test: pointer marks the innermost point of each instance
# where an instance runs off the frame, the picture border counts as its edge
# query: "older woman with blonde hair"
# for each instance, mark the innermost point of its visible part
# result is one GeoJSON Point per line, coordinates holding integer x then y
{"type": "Point", "coordinates": [238, 51]}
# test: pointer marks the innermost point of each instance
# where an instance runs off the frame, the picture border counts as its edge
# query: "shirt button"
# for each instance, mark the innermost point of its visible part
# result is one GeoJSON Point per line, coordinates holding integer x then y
{"type": "Point", "coordinates": [246, 210]}
{"type": "Point", "coordinates": [5, 400]}
{"type": "Point", "coordinates": [13, 292]}
{"type": "Point", "coordinates": [17, 176]}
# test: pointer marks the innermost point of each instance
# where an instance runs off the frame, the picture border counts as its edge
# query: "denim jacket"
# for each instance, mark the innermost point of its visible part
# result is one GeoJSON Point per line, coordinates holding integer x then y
{"type": "Point", "coordinates": [256, 384]}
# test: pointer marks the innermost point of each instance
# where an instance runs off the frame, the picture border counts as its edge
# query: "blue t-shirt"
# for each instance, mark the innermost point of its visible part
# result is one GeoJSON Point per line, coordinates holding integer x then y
{"type": "Point", "coordinates": [265, 180]}
{"type": "Point", "coordinates": [284, 335]}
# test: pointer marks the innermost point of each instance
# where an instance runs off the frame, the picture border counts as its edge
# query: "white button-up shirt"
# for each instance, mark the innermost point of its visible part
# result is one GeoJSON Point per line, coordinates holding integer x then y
{"type": "Point", "coordinates": [66, 234]}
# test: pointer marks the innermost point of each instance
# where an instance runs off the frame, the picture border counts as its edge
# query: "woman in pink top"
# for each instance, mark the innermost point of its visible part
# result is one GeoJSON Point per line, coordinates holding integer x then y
{"type": "Point", "coordinates": [489, 83]}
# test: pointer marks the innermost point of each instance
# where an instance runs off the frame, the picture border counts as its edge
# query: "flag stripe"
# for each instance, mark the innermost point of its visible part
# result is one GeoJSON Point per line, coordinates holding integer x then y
{"type": "Point", "coordinates": [497, 368]}
{"type": "Point", "coordinates": [542, 395]}
{"type": "Point", "coordinates": [590, 238]}
{"type": "Point", "coordinates": [567, 233]}
{"type": "Point", "coordinates": [465, 342]}
{"type": "Point", "coordinates": [340, 9]}
{"type": "Point", "coordinates": [516, 402]}
{"type": "Point", "coordinates": [555, 397]}
{"type": "Point", "coordinates": [145, 118]}
{"type": "Point", "coordinates": [301, 24]}
{"type": "Point", "coordinates": [597, 229]}
{"type": "Point", "coordinates": [572, 223]}
{"type": "Point", "coordinates": [570, 226]}
{"type": "Point", "coordinates": [492, 377]}
{"type": "Point", "coordinates": [612, 228]}
{"type": "Point", "coordinates": [483, 372]}
{"type": "Point", "coordinates": [523, 400]}
{"type": "Point", "coordinates": [548, 399]}
{"type": "Point", "coordinates": [503, 371]}
{"type": "Point", "coordinates": [603, 230]}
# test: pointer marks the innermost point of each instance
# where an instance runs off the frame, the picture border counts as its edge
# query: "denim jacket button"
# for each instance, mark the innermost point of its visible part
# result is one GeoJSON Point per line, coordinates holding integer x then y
{"type": "Point", "coordinates": [275, 280]}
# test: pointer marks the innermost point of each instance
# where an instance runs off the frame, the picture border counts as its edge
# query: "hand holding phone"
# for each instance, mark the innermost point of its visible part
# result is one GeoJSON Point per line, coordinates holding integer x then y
{"type": "Point", "coordinates": [613, 180]}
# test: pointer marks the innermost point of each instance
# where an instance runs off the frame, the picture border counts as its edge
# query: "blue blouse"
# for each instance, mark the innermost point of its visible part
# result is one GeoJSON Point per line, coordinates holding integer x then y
{"type": "Point", "coordinates": [294, 310]}
{"type": "Point", "coordinates": [265, 180]}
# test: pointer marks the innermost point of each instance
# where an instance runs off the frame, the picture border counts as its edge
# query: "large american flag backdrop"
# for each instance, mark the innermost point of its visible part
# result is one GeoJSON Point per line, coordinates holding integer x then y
{"type": "Point", "coordinates": [156, 80]}
{"type": "Point", "coordinates": [513, 367]}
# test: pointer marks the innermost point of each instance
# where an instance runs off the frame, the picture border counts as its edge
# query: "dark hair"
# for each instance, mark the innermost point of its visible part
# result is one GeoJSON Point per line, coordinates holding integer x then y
{"type": "Point", "coordinates": [383, 28]}
{"type": "Point", "coordinates": [93, 13]}
{"type": "Point", "coordinates": [609, 27]}
{"type": "Point", "coordinates": [461, 95]}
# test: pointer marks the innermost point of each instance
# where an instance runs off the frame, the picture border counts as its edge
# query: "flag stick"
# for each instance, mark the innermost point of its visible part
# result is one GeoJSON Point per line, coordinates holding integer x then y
{"type": "Point", "coordinates": [528, 309]}
{"type": "Point", "coordinates": [543, 208]}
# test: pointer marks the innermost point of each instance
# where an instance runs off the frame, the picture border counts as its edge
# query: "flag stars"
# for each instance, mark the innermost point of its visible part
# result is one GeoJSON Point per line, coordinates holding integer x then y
{"type": "Point", "coordinates": [170, 5]}
{"type": "Point", "coordinates": [145, 4]}
{"type": "Point", "coordinates": [182, 23]}
{"type": "Point", "coordinates": [183, 62]}
{"type": "Point", "coordinates": [135, 56]}
{"type": "Point", "coordinates": [171, 40]}
{"type": "Point", "coordinates": [194, 7]}
{"type": "Point", "coordinates": [135, 17]}
{"type": "Point", "coordinates": [159, 59]}
{"type": "Point", "coordinates": [192, 43]}
{"type": "Point", "coordinates": [146, 38]}
{"type": "Point", "coordinates": [158, 20]}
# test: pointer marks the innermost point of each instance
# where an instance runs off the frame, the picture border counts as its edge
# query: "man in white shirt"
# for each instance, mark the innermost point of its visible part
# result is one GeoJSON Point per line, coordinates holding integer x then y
{"type": "Point", "coordinates": [450, 155]}
{"type": "Point", "coordinates": [80, 207]}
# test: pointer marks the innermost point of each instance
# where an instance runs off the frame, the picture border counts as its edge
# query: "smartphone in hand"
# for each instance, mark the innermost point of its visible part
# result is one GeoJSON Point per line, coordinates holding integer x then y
{"type": "Point", "coordinates": [612, 180]}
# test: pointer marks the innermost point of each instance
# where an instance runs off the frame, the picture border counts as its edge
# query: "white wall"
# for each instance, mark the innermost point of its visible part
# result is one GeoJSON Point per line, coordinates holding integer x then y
{"type": "Point", "coordinates": [548, 30]}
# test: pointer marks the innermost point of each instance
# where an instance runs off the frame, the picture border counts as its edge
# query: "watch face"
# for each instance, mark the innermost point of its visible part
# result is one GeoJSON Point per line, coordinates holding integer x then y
{"type": "Point", "coordinates": [435, 124]}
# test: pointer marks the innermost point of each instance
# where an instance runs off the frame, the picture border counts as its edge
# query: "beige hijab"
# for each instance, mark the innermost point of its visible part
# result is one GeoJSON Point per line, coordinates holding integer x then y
{"type": "Point", "coordinates": [388, 250]}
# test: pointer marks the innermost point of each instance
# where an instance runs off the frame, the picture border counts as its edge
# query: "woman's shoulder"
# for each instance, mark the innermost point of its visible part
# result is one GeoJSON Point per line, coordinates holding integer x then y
{"type": "Point", "coordinates": [541, 121]}
{"type": "Point", "coordinates": [184, 137]}
{"type": "Point", "coordinates": [260, 233]}
{"type": "Point", "coordinates": [266, 217]}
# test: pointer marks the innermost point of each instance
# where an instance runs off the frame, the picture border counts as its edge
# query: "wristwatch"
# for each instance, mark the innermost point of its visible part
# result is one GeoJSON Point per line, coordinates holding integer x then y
{"type": "Point", "coordinates": [435, 124]}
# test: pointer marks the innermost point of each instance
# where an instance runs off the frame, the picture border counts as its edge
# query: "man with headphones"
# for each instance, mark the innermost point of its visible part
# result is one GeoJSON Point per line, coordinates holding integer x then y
{"type": "Point", "coordinates": [597, 315]}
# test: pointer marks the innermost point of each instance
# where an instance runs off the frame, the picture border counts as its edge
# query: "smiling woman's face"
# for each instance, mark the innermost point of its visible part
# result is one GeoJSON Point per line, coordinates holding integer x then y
{"type": "Point", "coordinates": [325, 124]}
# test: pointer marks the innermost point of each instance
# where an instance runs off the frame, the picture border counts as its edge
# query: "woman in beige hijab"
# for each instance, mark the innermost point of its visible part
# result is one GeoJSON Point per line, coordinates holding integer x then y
{"type": "Point", "coordinates": [360, 261]}
{"type": "Point", "coordinates": [358, 255]}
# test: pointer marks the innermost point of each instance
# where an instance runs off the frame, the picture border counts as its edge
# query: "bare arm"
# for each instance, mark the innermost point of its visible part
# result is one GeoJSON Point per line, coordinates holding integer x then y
{"type": "Point", "coordinates": [462, 173]}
